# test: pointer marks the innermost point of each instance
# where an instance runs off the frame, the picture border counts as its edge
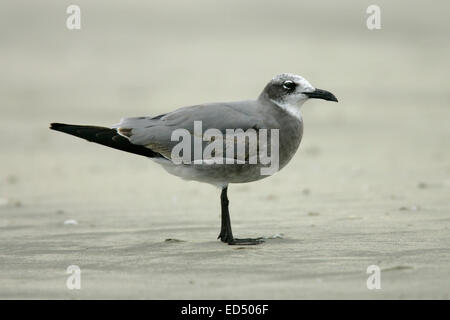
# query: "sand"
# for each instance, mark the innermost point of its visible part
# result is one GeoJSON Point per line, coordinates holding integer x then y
{"type": "Point", "coordinates": [370, 184]}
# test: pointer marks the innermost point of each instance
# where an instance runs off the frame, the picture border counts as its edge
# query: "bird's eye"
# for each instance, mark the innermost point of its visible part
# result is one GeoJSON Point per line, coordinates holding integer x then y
{"type": "Point", "coordinates": [289, 85]}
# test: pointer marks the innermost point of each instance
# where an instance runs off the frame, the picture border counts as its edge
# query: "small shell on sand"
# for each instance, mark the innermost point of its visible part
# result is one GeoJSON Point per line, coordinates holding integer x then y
{"type": "Point", "coordinates": [70, 222]}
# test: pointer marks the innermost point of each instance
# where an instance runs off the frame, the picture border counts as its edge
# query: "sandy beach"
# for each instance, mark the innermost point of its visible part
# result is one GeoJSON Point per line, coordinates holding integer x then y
{"type": "Point", "coordinates": [369, 185]}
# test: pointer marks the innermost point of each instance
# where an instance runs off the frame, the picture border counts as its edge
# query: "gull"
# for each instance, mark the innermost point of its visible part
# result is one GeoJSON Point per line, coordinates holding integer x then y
{"type": "Point", "coordinates": [277, 109]}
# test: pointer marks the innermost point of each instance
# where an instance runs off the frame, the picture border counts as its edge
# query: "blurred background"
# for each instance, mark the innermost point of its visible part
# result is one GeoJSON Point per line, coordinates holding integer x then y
{"type": "Point", "coordinates": [369, 185]}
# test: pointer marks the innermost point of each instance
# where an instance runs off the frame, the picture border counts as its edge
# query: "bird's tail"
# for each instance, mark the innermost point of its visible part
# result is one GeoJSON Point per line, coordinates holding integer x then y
{"type": "Point", "coordinates": [104, 136]}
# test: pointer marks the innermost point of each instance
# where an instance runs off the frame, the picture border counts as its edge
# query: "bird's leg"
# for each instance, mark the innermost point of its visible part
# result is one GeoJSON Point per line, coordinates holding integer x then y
{"type": "Point", "coordinates": [226, 235]}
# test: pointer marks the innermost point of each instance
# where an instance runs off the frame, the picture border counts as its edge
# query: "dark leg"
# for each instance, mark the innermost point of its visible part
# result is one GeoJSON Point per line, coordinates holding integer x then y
{"type": "Point", "coordinates": [226, 235]}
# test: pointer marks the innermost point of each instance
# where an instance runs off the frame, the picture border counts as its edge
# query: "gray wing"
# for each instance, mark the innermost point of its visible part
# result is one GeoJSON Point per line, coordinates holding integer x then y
{"type": "Point", "coordinates": [155, 133]}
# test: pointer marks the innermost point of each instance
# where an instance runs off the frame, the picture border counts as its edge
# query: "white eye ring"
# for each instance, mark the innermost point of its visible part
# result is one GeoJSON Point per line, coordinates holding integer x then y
{"type": "Point", "coordinates": [289, 85]}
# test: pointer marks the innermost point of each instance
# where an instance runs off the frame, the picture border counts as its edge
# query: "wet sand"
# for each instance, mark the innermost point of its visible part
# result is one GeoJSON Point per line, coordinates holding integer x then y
{"type": "Point", "coordinates": [370, 184]}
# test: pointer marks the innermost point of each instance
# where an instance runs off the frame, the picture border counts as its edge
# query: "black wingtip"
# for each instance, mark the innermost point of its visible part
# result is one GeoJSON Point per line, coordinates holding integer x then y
{"type": "Point", "coordinates": [56, 126]}
{"type": "Point", "coordinates": [104, 136]}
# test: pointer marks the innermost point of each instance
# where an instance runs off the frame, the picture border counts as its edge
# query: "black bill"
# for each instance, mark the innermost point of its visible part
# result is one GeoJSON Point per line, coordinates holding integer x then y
{"type": "Point", "coordinates": [321, 94]}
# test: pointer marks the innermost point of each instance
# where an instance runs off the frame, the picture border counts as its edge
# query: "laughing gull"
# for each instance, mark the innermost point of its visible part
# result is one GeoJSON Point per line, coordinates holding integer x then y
{"type": "Point", "coordinates": [277, 109]}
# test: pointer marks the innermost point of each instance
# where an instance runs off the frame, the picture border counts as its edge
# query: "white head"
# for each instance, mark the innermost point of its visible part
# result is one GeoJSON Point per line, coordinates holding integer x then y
{"type": "Point", "coordinates": [289, 90]}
